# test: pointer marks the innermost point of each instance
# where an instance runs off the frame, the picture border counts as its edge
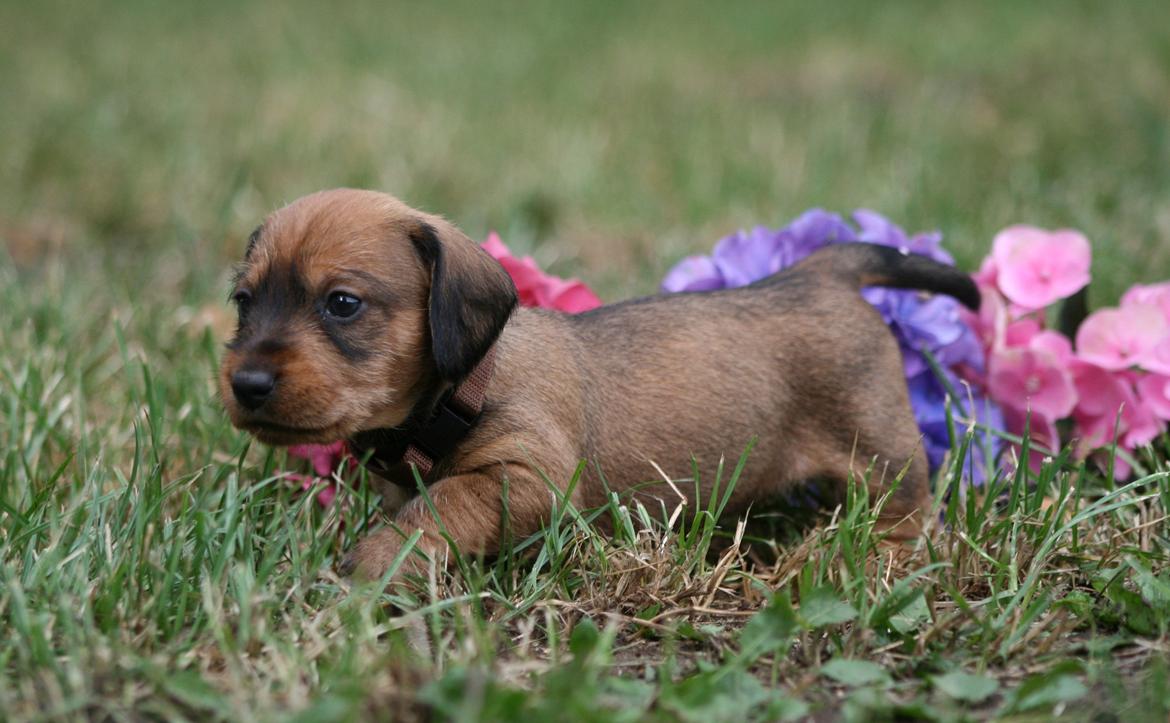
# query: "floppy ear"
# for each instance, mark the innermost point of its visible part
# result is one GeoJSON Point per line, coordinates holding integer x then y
{"type": "Point", "coordinates": [470, 301]}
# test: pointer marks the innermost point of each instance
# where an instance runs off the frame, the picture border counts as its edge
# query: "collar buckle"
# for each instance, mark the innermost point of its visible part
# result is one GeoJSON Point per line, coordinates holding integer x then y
{"type": "Point", "coordinates": [442, 432]}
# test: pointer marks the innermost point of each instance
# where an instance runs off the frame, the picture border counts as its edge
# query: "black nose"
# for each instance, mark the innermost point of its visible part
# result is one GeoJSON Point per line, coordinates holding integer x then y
{"type": "Point", "coordinates": [252, 386]}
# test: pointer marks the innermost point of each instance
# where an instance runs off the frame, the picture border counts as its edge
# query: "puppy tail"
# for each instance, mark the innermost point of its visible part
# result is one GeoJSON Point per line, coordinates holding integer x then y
{"type": "Point", "coordinates": [866, 264]}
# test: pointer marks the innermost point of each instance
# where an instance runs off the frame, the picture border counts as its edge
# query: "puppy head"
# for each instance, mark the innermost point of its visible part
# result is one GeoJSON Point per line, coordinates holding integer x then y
{"type": "Point", "coordinates": [352, 308]}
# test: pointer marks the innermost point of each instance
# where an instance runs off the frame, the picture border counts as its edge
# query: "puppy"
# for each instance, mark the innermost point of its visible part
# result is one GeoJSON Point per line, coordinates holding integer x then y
{"type": "Point", "coordinates": [363, 319]}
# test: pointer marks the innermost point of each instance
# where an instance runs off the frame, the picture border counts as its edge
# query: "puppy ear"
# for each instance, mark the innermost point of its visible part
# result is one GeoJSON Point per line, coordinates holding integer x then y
{"type": "Point", "coordinates": [471, 297]}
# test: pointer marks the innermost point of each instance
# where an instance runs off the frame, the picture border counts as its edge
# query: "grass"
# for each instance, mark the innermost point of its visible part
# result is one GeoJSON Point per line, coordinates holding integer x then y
{"type": "Point", "coordinates": [153, 564]}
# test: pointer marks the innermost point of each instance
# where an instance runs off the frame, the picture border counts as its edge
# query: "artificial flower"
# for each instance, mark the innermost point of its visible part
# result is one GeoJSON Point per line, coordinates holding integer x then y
{"type": "Point", "coordinates": [1035, 267]}
{"type": "Point", "coordinates": [745, 256]}
{"type": "Point", "coordinates": [812, 230]}
{"type": "Point", "coordinates": [1155, 294]}
{"type": "Point", "coordinates": [929, 399]}
{"type": "Point", "coordinates": [1032, 379]}
{"type": "Point", "coordinates": [987, 277]}
{"type": "Point", "coordinates": [932, 324]}
{"type": "Point", "coordinates": [1108, 411]}
{"type": "Point", "coordinates": [537, 288]}
{"type": "Point", "coordinates": [1154, 392]}
{"type": "Point", "coordinates": [1043, 437]}
{"type": "Point", "coordinates": [1157, 359]}
{"type": "Point", "coordinates": [325, 459]}
{"type": "Point", "coordinates": [694, 273]}
{"type": "Point", "coordinates": [990, 322]}
{"type": "Point", "coordinates": [1020, 332]}
{"type": "Point", "coordinates": [1122, 356]}
{"type": "Point", "coordinates": [1124, 337]}
{"type": "Point", "coordinates": [877, 229]}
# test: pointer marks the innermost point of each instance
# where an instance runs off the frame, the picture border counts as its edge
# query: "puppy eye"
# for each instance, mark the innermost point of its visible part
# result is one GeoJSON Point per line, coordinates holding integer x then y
{"type": "Point", "coordinates": [243, 299]}
{"type": "Point", "coordinates": [342, 305]}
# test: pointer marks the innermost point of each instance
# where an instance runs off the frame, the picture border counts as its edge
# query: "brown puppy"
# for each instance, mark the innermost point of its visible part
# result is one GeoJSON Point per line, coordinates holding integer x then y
{"type": "Point", "coordinates": [358, 313]}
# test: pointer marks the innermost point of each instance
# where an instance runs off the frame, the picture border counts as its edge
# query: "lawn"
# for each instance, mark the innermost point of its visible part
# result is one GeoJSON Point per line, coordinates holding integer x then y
{"type": "Point", "coordinates": [154, 564]}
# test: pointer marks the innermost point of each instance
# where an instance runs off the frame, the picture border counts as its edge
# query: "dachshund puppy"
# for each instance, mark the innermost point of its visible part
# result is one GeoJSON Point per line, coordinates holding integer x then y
{"type": "Point", "coordinates": [363, 319]}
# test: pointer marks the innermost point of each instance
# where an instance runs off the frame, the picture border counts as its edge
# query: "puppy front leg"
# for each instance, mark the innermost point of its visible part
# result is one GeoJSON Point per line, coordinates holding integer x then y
{"type": "Point", "coordinates": [469, 508]}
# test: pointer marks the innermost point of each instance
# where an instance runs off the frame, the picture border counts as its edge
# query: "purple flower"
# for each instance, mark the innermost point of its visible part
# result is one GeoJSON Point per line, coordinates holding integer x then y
{"type": "Point", "coordinates": [747, 256]}
{"type": "Point", "coordinates": [928, 398]}
{"type": "Point", "coordinates": [743, 257]}
{"type": "Point", "coordinates": [694, 273]}
{"type": "Point", "coordinates": [921, 324]}
{"type": "Point", "coordinates": [877, 229]}
{"type": "Point", "coordinates": [813, 230]}
{"type": "Point", "coordinates": [927, 323]}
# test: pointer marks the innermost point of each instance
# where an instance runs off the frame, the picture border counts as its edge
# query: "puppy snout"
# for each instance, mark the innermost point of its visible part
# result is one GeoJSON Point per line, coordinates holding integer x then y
{"type": "Point", "coordinates": [252, 387]}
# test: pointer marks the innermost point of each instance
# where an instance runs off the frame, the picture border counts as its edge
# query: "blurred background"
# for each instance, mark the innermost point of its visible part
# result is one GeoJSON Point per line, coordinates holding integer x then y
{"type": "Point", "coordinates": [142, 141]}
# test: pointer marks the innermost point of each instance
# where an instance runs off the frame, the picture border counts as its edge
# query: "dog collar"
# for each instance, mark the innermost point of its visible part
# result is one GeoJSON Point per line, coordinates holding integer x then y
{"type": "Point", "coordinates": [392, 453]}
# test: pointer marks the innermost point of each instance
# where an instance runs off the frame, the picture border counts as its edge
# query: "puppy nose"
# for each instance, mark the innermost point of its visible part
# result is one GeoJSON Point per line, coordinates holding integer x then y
{"type": "Point", "coordinates": [252, 386]}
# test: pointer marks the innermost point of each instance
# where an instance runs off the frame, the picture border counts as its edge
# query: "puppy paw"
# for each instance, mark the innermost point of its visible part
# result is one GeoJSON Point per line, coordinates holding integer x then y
{"type": "Point", "coordinates": [374, 555]}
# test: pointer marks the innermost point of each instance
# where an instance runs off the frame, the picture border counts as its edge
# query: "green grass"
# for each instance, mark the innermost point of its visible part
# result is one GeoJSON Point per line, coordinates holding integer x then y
{"type": "Point", "coordinates": [153, 565]}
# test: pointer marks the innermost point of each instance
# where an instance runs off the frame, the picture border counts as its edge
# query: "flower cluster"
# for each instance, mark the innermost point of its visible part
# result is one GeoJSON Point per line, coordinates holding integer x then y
{"type": "Point", "coordinates": [1113, 384]}
{"type": "Point", "coordinates": [926, 327]}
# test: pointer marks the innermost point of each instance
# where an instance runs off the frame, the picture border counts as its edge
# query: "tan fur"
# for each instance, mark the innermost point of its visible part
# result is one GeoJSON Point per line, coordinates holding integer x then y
{"type": "Point", "coordinates": [808, 368]}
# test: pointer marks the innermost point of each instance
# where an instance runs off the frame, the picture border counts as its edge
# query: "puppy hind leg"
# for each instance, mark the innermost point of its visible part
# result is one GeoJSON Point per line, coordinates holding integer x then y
{"type": "Point", "coordinates": [898, 481]}
{"type": "Point", "coordinates": [903, 509]}
{"type": "Point", "coordinates": [887, 436]}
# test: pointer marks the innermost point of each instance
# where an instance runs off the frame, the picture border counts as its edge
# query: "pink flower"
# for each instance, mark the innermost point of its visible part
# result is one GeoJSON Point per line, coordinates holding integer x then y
{"type": "Point", "coordinates": [1021, 332]}
{"type": "Point", "coordinates": [987, 277]}
{"type": "Point", "coordinates": [1158, 358]}
{"type": "Point", "coordinates": [1142, 426]}
{"type": "Point", "coordinates": [1054, 343]}
{"type": "Point", "coordinates": [1035, 267]}
{"type": "Point", "coordinates": [1154, 391]}
{"type": "Point", "coordinates": [1102, 395]}
{"type": "Point", "coordinates": [1029, 377]}
{"type": "Point", "coordinates": [1118, 339]}
{"type": "Point", "coordinates": [1033, 377]}
{"type": "Point", "coordinates": [537, 288]}
{"type": "Point", "coordinates": [1043, 437]}
{"type": "Point", "coordinates": [326, 490]}
{"type": "Point", "coordinates": [325, 458]}
{"type": "Point", "coordinates": [1156, 294]}
{"type": "Point", "coordinates": [989, 322]}
{"type": "Point", "coordinates": [1109, 410]}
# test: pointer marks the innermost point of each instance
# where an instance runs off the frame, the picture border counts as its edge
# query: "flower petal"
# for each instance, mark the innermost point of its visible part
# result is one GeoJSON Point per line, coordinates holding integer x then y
{"type": "Point", "coordinates": [536, 288]}
{"type": "Point", "coordinates": [1037, 267]}
{"type": "Point", "coordinates": [1119, 338]}
{"type": "Point", "coordinates": [1154, 392]}
{"type": "Point", "coordinates": [573, 297]}
{"type": "Point", "coordinates": [694, 273]}
{"type": "Point", "coordinates": [1029, 379]}
{"type": "Point", "coordinates": [1155, 294]}
{"type": "Point", "coordinates": [744, 257]}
